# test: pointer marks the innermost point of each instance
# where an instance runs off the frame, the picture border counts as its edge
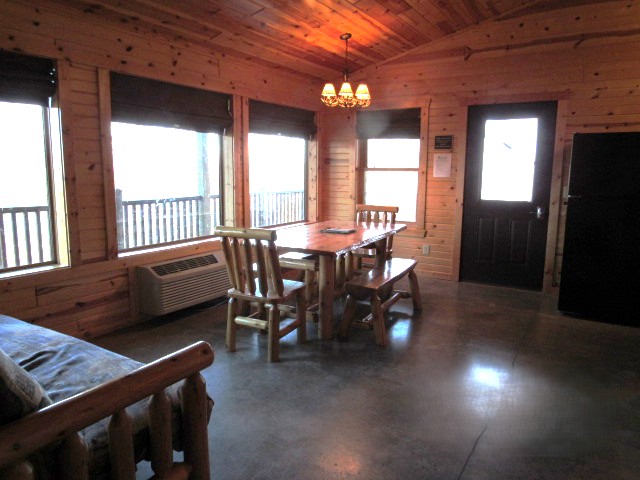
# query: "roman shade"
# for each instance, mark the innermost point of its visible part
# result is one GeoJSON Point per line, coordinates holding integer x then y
{"type": "Point", "coordinates": [26, 79]}
{"type": "Point", "coordinates": [150, 102]}
{"type": "Point", "coordinates": [272, 119]}
{"type": "Point", "coordinates": [404, 123]}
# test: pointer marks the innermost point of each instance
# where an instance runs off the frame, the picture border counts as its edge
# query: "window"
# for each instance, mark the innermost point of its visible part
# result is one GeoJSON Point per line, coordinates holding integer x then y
{"type": "Point", "coordinates": [277, 181]}
{"type": "Point", "coordinates": [167, 150]}
{"type": "Point", "coordinates": [278, 163]}
{"type": "Point", "coordinates": [391, 174]}
{"type": "Point", "coordinates": [391, 158]}
{"type": "Point", "coordinates": [31, 191]}
{"type": "Point", "coordinates": [509, 152]}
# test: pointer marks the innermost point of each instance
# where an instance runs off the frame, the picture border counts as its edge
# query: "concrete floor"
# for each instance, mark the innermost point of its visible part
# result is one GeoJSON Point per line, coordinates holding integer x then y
{"type": "Point", "coordinates": [487, 383]}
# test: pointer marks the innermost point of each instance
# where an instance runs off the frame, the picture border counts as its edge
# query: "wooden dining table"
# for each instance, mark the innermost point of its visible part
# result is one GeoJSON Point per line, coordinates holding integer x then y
{"type": "Point", "coordinates": [331, 241]}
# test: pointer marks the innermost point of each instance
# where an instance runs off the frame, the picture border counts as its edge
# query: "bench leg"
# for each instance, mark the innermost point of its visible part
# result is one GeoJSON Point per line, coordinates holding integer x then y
{"type": "Point", "coordinates": [379, 329]}
{"type": "Point", "coordinates": [347, 317]}
{"type": "Point", "coordinates": [231, 324]}
{"type": "Point", "coordinates": [415, 291]}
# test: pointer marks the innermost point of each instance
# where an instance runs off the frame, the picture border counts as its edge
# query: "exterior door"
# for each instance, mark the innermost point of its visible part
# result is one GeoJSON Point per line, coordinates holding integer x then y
{"type": "Point", "coordinates": [506, 193]}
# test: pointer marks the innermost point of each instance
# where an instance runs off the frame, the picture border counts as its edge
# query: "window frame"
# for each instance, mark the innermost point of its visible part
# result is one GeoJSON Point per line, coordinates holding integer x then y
{"type": "Point", "coordinates": [305, 193]}
{"type": "Point", "coordinates": [220, 117]}
{"type": "Point", "coordinates": [179, 241]}
{"type": "Point", "coordinates": [34, 94]}
{"type": "Point", "coordinates": [419, 226]}
{"type": "Point", "coordinates": [275, 119]}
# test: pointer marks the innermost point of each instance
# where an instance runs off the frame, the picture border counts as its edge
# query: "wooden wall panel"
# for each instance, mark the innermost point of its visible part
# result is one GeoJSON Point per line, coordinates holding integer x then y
{"type": "Point", "coordinates": [588, 55]}
{"type": "Point", "coordinates": [96, 294]}
{"type": "Point", "coordinates": [338, 164]}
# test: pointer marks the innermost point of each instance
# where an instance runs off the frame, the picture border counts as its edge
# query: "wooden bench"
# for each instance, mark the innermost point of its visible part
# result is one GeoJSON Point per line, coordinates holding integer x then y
{"type": "Point", "coordinates": [376, 286]}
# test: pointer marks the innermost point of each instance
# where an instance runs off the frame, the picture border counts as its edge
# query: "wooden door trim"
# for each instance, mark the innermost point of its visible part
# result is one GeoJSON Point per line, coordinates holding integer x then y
{"type": "Point", "coordinates": [562, 99]}
{"type": "Point", "coordinates": [555, 198]}
{"type": "Point", "coordinates": [461, 163]}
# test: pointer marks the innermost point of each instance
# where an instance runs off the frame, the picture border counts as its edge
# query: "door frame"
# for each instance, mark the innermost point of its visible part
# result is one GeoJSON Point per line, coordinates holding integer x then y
{"type": "Point", "coordinates": [548, 283]}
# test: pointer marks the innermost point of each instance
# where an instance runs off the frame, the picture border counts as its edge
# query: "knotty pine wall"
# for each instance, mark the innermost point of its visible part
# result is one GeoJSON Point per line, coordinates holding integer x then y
{"type": "Point", "coordinates": [97, 294]}
{"type": "Point", "coordinates": [586, 57]}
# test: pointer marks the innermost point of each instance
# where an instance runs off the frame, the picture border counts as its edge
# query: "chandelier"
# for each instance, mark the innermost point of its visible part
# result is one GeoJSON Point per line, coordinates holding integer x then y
{"type": "Point", "coordinates": [346, 98]}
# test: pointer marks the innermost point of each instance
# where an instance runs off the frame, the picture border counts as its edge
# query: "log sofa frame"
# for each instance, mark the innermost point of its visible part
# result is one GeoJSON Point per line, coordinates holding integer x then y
{"type": "Point", "coordinates": [60, 423]}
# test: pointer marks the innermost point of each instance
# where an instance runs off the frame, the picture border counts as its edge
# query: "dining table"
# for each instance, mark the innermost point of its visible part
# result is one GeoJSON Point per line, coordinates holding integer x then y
{"type": "Point", "coordinates": [332, 241]}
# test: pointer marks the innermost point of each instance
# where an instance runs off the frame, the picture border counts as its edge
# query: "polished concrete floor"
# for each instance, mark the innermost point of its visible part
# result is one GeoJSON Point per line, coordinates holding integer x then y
{"type": "Point", "coordinates": [487, 383]}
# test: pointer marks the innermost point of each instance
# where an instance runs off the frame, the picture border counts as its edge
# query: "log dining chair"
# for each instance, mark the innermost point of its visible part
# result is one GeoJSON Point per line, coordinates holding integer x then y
{"type": "Point", "coordinates": [257, 284]}
{"type": "Point", "coordinates": [373, 214]}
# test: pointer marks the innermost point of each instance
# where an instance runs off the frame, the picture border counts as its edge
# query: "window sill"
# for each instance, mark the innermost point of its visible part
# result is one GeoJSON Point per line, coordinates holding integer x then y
{"type": "Point", "coordinates": [31, 271]}
{"type": "Point", "coordinates": [168, 247]}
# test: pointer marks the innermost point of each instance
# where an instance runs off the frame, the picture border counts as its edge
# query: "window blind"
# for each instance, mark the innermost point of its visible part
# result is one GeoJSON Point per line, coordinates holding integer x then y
{"type": "Point", "coordinates": [269, 118]}
{"type": "Point", "coordinates": [404, 123]}
{"type": "Point", "coordinates": [151, 102]}
{"type": "Point", "coordinates": [26, 79]}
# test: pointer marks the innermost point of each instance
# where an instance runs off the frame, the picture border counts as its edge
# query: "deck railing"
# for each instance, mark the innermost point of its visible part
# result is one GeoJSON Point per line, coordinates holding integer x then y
{"type": "Point", "coordinates": [276, 208]}
{"type": "Point", "coordinates": [25, 236]}
{"type": "Point", "coordinates": [150, 222]}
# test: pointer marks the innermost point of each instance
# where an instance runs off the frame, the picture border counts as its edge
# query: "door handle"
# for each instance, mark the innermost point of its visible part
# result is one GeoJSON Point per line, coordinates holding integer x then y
{"type": "Point", "coordinates": [540, 213]}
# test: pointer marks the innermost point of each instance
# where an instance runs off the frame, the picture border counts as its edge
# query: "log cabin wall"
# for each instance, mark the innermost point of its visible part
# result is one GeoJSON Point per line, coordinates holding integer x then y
{"type": "Point", "coordinates": [96, 294]}
{"type": "Point", "coordinates": [586, 57]}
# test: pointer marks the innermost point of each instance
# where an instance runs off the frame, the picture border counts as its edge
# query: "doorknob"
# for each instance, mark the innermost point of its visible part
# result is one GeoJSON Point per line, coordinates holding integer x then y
{"type": "Point", "coordinates": [540, 213]}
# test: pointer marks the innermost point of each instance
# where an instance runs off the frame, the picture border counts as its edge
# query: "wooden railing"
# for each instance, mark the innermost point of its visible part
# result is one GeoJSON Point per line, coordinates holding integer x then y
{"type": "Point", "coordinates": [25, 237]}
{"type": "Point", "coordinates": [151, 222]}
{"type": "Point", "coordinates": [140, 223]}
{"type": "Point", "coordinates": [277, 208]}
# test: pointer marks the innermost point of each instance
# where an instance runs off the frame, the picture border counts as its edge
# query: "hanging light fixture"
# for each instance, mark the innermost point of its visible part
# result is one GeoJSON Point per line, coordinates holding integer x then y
{"type": "Point", "coordinates": [346, 98]}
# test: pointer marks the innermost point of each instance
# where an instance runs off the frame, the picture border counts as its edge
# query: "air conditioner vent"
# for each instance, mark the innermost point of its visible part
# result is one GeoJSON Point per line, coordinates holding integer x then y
{"type": "Point", "coordinates": [165, 287]}
{"type": "Point", "coordinates": [186, 264]}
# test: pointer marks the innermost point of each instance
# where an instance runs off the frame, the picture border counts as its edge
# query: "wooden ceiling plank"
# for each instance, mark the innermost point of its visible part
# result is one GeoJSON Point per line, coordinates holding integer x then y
{"type": "Point", "coordinates": [252, 32]}
{"type": "Point", "coordinates": [379, 14]}
{"type": "Point", "coordinates": [330, 24]}
{"type": "Point", "coordinates": [241, 43]}
{"type": "Point", "coordinates": [332, 47]}
{"type": "Point", "coordinates": [406, 11]}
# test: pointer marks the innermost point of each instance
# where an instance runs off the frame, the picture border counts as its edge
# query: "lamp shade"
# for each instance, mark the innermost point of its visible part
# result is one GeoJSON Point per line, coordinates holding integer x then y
{"type": "Point", "coordinates": [362, 92]}
{"type": "Point", "coordinates": [346, 90]}
{"type": "Point", "coordinates": [329, 90]}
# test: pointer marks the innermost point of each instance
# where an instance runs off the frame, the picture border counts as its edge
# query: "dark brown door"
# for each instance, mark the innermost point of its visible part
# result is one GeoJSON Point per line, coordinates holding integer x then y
{"type": "Point", "coordinates": [506, 193]}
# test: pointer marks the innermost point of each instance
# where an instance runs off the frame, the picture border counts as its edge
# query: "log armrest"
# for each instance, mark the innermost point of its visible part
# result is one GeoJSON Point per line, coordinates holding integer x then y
{"type": "Point", "coordinates": [60, 423]}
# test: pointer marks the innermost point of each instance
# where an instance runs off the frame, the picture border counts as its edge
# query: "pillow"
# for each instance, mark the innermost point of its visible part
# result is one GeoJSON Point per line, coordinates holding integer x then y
{"type": "Point", "coordinates": [20, 393]}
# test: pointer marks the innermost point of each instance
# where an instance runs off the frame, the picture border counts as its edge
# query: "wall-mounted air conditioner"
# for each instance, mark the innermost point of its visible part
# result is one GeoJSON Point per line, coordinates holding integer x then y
{"type": "Point", "coordinates": [168, 286]}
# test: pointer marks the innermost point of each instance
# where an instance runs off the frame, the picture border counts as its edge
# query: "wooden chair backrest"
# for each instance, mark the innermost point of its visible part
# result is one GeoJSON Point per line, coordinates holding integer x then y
{"type": "Point", "coordinates": [376, 213]}
{"type": "Point", "coordinates": [251, 254]}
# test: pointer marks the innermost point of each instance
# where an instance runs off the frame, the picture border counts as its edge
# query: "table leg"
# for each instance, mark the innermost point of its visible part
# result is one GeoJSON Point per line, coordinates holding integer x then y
{"type": "Point", "coordinates": [381, 253]}
{"type": "Point", "coordinates": [326, 287]}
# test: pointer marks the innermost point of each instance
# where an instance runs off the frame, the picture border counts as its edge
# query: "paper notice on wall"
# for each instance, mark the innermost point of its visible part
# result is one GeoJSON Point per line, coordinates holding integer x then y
{"type": "Point", "coordinates": [442, 165]}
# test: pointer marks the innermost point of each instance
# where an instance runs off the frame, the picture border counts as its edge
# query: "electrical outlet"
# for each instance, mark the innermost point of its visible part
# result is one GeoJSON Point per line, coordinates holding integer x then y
{"type": "Point", "coordinates": [426, 249]}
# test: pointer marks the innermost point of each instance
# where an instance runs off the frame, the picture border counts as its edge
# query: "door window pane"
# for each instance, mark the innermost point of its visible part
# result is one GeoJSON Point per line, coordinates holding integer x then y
{"type": "Point", "coordinates": [277, 179]}
{"type": "Point", "coordinates": [509, 159]}
{"type": "Point", "coordinates": [167, 184]}
{"type": "Point", "coordinates": [393, 188]}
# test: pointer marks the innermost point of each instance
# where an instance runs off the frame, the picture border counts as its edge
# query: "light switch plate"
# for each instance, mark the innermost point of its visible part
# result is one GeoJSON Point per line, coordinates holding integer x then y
{"type": "Point", "coordinates": [426, 249]}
